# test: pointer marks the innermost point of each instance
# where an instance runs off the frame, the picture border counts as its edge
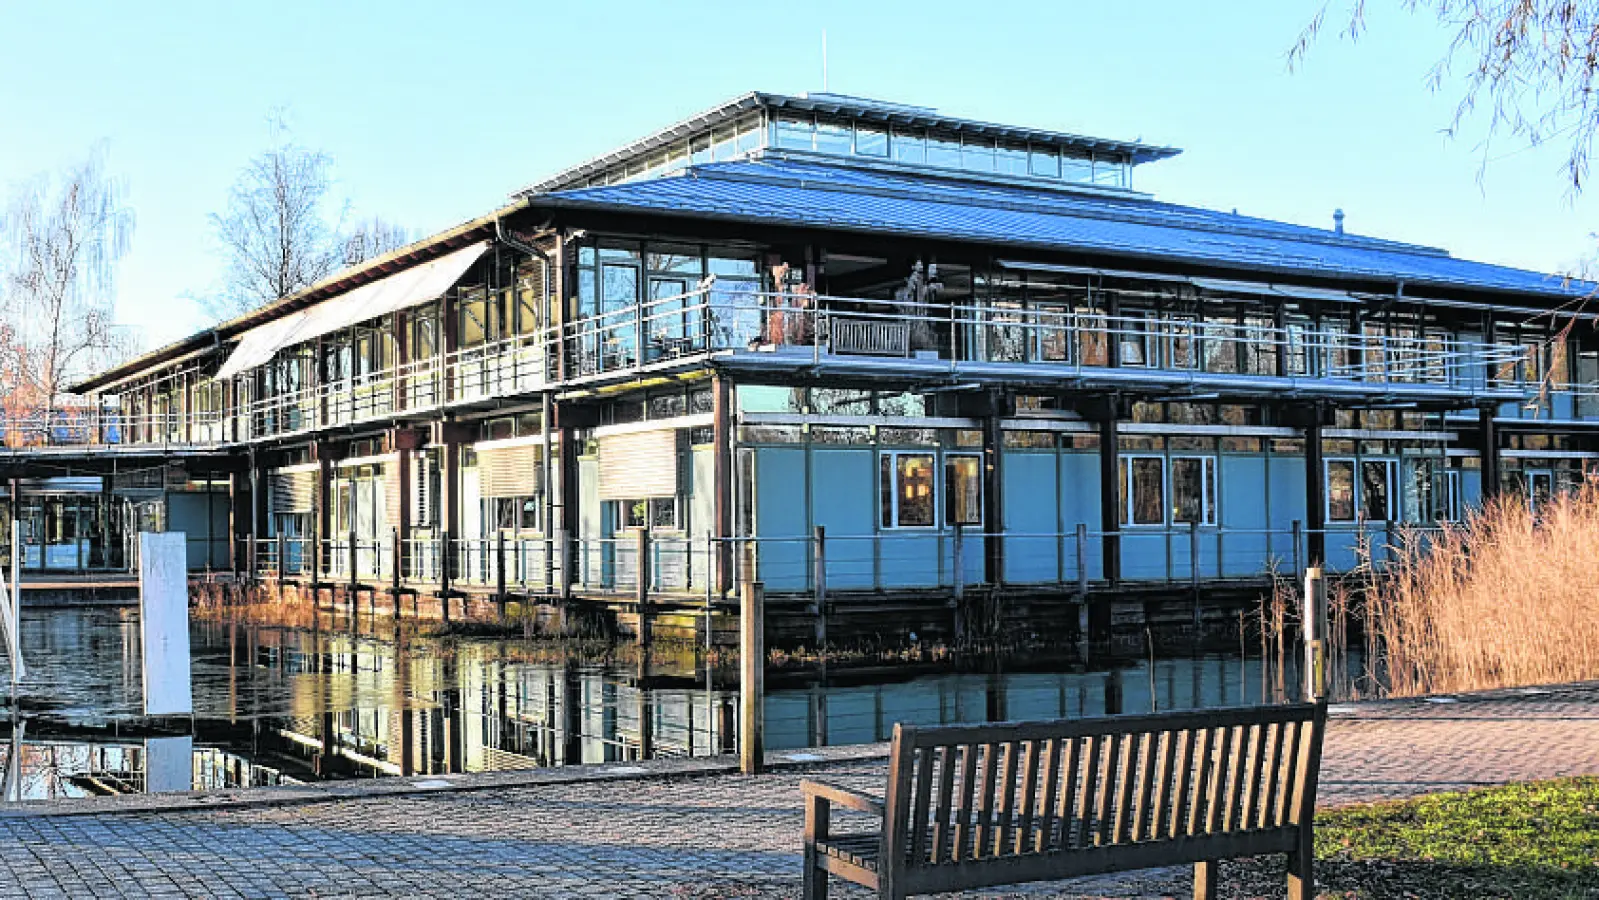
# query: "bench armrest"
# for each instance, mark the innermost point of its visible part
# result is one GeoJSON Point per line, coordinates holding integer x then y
{"type": "Point", "coordinates": [842, 796]}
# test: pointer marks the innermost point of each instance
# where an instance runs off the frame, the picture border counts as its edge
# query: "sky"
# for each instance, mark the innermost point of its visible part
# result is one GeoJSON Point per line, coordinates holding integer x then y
{"type": "Point", "coordinates": [435, 113]}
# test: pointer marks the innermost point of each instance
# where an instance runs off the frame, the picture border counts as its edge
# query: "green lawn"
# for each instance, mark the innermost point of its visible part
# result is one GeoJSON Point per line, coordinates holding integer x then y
{"type": "Point", "coordinates": [1524, 841]}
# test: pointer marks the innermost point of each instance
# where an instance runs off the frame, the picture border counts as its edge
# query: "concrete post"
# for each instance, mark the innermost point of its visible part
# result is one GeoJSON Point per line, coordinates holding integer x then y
{"type": "Point", "coordinates": [752, 677]}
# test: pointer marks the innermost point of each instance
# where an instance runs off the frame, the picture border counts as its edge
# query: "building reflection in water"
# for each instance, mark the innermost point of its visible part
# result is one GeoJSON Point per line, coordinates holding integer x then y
{"type": "Point", "coordinates": [283, 705]}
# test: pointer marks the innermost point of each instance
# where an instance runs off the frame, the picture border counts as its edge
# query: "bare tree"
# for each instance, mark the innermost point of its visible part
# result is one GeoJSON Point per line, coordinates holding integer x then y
{"type": "Point", "coordinates": [275, 232]}
{"type": "Point", "coordinates": [373, 238]}
{"type": "Point", "coordinates": [65, 236]}
{"type": "Point", "coordinates": [1530, 65]}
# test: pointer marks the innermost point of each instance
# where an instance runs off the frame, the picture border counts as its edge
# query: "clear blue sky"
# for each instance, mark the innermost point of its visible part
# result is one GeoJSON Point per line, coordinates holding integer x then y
{"type": "Point", "coordinates": [435, 112]}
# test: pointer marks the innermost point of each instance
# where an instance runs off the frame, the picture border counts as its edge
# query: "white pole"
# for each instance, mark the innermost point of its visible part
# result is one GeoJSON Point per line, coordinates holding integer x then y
{"type": "Point", "coordinates": [11, 612]}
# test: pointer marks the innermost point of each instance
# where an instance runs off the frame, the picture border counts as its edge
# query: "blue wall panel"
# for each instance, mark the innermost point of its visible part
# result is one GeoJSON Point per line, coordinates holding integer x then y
{"type": "Point", "coordinates": [1287, 474]}
{"type": "Point", "coordinates": [844, 501]}
{"type": "Point", "coordinates": [1471, 487]}
{"type": "Point", "coordinates": [1079, 502]}
{"type": "Point", "coordinates": [1244, 551]}
{"type": "Point", "coordinates": [1031, 501]}
{"type": "Point", "coordinates": [780, 518]}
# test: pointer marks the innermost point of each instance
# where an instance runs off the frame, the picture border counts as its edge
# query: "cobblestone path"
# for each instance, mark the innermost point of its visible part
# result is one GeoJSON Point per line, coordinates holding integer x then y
{"type": "Point", "coordinates": [679, 836]}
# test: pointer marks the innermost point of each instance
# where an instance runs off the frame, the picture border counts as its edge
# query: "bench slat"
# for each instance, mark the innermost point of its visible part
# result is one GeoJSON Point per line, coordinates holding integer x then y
{"type": "Point", "coordinates": [1219, 781]}
{"type": "Point", "coordinates": [1274, 763]}
{"type": "Point", "coordinates": [1107, 787]}
{"type": "Point", "coordinates": [1144, 794]}
{"type": "Point", "coordinates": [985, 800]}
{"type": "Point", "coordinates": [1290, 774]}
{"type": "Point", "coordinates": [1090, 787]}
{"type": "Point", "coordinates": [1067, 805]}
{"type": "Point", "coordinates": [926, 760]}
{"type": "Point", "coordinates": [1200, 789]}
{"type": "Point", "coordinates": [965, 814]}
{"type": "Point", "coordinates": [1236, 776]}
{"type": "Point", "coordinates": [1006, 801]}
{"type": "Point", "coordinates": [1164, 776]}
{"type": "Point", "coordinates": [1128, 766]}
{"type": "Point", "coordinates": [1253, 786]}
{"type": "Point", "coordinates": [1182, 794]}
{"type": "Point", "coordinates": [1044, 830]}
{"type": "Point", "coordinates": [1028, 823]}
{"type": "Point", "coordinates": [946, 791]}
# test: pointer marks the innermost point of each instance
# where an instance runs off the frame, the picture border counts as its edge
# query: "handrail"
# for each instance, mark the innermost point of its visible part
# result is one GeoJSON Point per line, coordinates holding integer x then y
{"type": "Point", "coordinates": [715, 320]}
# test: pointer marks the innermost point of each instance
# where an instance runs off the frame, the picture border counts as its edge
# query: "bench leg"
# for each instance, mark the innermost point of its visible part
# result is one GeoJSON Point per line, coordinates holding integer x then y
{"type": "Point", "coordinates": [1205, 880]}
{"type": "Point", "coordinates": [817, 814]}
{"type": "Point", "coordinates": [815, 878]}
{"type": "Point", "coordinates": [1301, 878]}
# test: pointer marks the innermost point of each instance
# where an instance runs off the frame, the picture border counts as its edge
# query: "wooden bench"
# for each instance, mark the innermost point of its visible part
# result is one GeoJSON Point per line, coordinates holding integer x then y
{"type": "Point", "coordinates": [989, 805]}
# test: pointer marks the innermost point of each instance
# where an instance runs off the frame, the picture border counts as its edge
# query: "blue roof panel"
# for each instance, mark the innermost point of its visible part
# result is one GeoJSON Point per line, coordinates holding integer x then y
{"type": "Point", "coordinates": [830, 196]}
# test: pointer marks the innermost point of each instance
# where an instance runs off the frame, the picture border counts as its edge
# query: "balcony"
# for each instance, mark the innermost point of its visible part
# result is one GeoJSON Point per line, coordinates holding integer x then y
{"type": "Point", "coordinates": [852, 336]}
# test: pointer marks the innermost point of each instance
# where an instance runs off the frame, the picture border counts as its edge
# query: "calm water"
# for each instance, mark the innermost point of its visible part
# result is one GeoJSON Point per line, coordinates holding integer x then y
{"type": "Point", "coordinates": [278, 705]}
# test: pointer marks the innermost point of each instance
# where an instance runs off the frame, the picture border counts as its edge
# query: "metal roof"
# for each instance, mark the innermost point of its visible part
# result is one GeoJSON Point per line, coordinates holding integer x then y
{"type": "Point", "coordinates": [850, 107]}
{"type": "Point", "coordinates": [819, 195]}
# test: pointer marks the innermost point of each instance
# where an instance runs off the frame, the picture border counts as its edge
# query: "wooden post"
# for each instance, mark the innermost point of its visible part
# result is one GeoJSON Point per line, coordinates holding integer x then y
{"type": "Point", "coordinates": [283, 557]}
{"type": "Point", "coordinates": [819, 585]}
{"type": "Point", "coordinates": [1315, 493]}
{"type": "Point", "coordinates": [499, 570]}
{"type": "Point", "coordinates": [444, 572]}
{"type": "Point", "coordinates": [641, 584]}
{"type": "Point", "coordinates": [1110, 497]}
{"type": "Point", "coordinates": [1297, 531]}
{"type": "Point", "coordinates": [353, 557]}
{"type": "Point", "coordinates": [1193, 570]}
{"type": "Point", "coordinates": [1488, 433]}
{"type": "Point", "coordinates": [752, 677]}
{"type": "Point", "coordinates": [1315, 632]}
{"type": "Point", "coordinates": [394, 571]}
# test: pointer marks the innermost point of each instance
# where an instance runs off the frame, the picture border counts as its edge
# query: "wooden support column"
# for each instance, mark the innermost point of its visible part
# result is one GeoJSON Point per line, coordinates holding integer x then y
{"type": "Point", "coordinates": [1315, 493]}
{"type": "Point", "coordinates": [1488, 435]}
{"type": "Point", "coordinates": [323, 528]}
{"type": "Point", "coordinates": [722, 475]}
{"type": "Point", "coordinates": [566, 490]}
{"type": "Point", "coordinates": [235, 558]}
{"type": "Point", "coordinates": [993, 494]}
{"type": "Point", "coordinates": [449, 436]}
{"type": "Point", "coordinates": [1110, 519]}
{"type": "Point", "coordinates": [405, 442]}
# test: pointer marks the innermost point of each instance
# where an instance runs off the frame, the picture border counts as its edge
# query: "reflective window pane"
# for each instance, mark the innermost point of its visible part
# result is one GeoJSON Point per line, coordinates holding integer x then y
{"type": "Point", "coordinates": [1340, 490]}
{"type": "Point", "coordinates": [871, 141]}
{"type": "Point", "coordinates": [910, 146]}
{"type": "Point", "coordinates": [944, 152]}
{"type": "Point", "coordinates": [963, 490]}
{"type": "Point", "coordinates": [1193, 488]}
{"type": "Point", "coordinates": [832, 138]}
{"type": "Point", "coordinates": [1375, 488]}
{"type": "Point", "coordinates": [915, 490]}
{"type": "Point", "coordinates": [1044, 162]}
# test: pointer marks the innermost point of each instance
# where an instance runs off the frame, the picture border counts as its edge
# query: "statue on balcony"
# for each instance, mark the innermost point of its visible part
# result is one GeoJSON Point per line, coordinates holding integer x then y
{"type": "Point", "coordinates": [914, 301]}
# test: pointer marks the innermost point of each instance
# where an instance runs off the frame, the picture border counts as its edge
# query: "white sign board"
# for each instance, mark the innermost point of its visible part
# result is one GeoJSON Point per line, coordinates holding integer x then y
{"type": "Point", "coordinates": [164, 623]}
{"type": "Point", "coordinates": [168, 765]}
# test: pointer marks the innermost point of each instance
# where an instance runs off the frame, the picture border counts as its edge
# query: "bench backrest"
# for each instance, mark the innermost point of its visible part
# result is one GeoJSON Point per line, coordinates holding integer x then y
{"type": "Point", "coordinates": [961, 794]}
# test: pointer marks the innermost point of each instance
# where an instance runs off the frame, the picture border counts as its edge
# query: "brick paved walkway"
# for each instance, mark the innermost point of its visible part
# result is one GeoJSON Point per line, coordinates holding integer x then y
{"type": "Point", "coordinates": [677, 836]}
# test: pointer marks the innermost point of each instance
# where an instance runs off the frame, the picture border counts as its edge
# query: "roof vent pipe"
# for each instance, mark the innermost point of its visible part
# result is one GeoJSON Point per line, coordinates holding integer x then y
{"type": "Point", "coordinates": [1338, 221]}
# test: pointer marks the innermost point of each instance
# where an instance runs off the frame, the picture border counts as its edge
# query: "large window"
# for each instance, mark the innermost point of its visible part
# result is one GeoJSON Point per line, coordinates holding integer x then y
{"type": "Point", "coordinates": [1143, 490]}
{"type": "Point", "coordinates": [1370, 497]}
{"type": "Point", "coordinates": [963, 490]}
{"type": "Point", "coordinates": [1193, 490]}
{"type": "Point", "coordinates": [512, 513]}
{"type": "Point", "coordinates": [658, 513]}
{"type": "Point", "coordinates": [908, 495]}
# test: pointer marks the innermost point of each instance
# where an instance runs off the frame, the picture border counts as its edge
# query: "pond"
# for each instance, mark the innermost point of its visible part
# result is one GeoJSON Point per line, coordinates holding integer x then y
{"type": "Point", "coordinates": [282, 704]}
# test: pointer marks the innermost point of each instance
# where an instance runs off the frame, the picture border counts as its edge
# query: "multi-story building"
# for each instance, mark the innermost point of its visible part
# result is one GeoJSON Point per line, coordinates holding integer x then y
{"type": "Point", "coordinates": [975, 354]}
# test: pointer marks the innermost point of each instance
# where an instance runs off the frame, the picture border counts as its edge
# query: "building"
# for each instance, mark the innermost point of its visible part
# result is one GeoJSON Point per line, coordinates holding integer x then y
{"type": "Point", "coordinates": [972, 354]}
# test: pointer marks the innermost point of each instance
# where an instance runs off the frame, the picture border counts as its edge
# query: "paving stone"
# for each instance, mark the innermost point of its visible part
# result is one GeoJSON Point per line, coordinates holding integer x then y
{"type": "Point", "coordinates": [671, 832]}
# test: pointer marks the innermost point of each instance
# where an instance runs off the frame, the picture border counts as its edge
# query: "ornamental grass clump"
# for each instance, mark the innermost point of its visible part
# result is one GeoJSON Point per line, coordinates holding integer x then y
{"type": "Point", "coordinates": [1505, 598]}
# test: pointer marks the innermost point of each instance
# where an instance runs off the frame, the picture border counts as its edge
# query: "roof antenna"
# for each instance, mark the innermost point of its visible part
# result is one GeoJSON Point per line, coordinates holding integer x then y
{"type": "Point", "coordinates": [824, 60]}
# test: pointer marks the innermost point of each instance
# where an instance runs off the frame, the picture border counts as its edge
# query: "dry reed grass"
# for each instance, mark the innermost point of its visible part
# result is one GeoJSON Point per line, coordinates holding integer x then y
{"type": "Point", "coordinates": [1500, 600]}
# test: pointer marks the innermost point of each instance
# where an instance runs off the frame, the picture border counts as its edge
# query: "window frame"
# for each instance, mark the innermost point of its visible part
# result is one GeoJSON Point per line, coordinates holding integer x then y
{"type": "Point", "coordinates": [1127, 496]}
{"type": "Point", "coordinates": [949, 520]}
{"type": "Point", "coordinates": [1209, 469]}
{"type": "Point", "coordinates": [894, 518]}
{"type": "Point", "coordinates": [1358, 466]}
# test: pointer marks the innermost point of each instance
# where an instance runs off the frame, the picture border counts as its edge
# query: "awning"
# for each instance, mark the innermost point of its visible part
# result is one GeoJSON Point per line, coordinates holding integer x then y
{"type": "Point", "coordinates": [402, 290]}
